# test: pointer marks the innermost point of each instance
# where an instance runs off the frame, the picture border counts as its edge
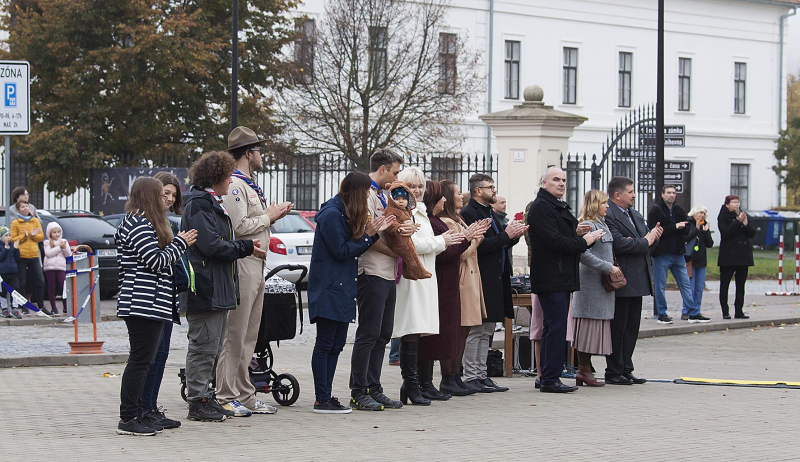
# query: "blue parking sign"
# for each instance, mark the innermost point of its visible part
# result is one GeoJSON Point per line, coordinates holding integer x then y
{"type": "Point", "coordinates": [10, 95]}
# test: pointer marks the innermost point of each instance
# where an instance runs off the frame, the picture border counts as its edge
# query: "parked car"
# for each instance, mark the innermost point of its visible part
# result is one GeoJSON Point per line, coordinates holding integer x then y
{"type": "Point", "coordinates": [86, 228]}
{"type": "Point", "coordinates": [114, 219]}
{"type": "Point", "coordinates": [310, 217]}
{"type": "Point", "coordinates": [290, 243]}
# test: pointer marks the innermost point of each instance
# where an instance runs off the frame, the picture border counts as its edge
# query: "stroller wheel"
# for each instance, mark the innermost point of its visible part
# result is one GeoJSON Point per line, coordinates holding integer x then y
{"type": "Point", "coordinates": [285, 389]}
{"type": "Point", "coordinates": [183, 392]}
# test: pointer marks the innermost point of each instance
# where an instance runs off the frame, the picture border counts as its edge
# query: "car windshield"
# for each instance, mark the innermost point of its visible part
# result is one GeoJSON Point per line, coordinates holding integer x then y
{"type": "Point", "coordinates": [87, 227]}
{"type": "Point", "coordinates": [291, 224]}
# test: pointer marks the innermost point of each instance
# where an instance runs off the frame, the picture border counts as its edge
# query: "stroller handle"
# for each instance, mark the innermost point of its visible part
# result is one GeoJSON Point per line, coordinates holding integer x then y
{"type": "Point", "coordinates": [280, 268]}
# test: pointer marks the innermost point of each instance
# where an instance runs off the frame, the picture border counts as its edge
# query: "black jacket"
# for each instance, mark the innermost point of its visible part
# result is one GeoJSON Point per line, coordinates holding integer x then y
{"type": "Point", "coordinates": [673, 240]}
{"type": "Point", "coordinates": [495, 278]}
{"type": "Point", "coordinates": [213, 277]}
{"type": "Point", "coordinates": [555, 246]}
{"type": "Point", "coordinates": [703, 242]}
{"type": "Point", "coordinates": [735, 248]}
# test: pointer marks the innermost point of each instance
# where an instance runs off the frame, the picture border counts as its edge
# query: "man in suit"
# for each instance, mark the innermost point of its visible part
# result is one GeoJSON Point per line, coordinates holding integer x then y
{"type": "Point", "coordinates": [632, 243]}
{"type": "Point", "coordinates": [494, 261]}
{"type": "Point", "coordinates": [556, 250]}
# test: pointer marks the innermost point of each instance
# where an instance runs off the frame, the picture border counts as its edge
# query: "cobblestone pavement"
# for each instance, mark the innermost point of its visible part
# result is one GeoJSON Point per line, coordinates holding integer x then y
{"type": "Point", "coordinates": [70, 413]}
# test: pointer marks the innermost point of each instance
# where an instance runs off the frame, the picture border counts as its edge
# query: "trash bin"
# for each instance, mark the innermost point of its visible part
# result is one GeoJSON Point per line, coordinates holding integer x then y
{"type": "Point", "coordinates": [769, 227]}
{"type": "Point", "coordinates": [791, 227]}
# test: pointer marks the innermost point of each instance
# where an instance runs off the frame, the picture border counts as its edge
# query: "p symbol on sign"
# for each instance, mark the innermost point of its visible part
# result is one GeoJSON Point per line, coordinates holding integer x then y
{"type": "Point", "coordinates": [10, 95]}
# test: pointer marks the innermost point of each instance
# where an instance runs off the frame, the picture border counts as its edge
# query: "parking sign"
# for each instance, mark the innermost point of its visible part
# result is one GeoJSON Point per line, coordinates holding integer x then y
{"type": "Point", "coordinates": [15, 114]}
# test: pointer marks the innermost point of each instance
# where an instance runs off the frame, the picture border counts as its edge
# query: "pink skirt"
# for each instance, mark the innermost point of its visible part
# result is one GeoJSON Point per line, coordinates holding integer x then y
{"type": "Point", "coordinates": [592, 335]}
{"type": "Point", "coordinates": [537, 320]}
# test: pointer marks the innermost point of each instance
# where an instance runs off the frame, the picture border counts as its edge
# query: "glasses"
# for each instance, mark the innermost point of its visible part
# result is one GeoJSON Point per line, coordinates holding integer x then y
{"type": "Point", "coordinates": [256, 148]}
{"type": "Point", "coordinates": [492, 188]}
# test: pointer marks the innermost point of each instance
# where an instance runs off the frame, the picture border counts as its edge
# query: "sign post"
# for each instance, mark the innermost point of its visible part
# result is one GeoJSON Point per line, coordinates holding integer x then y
{"type": "Point", "coordinates": [15, 112]}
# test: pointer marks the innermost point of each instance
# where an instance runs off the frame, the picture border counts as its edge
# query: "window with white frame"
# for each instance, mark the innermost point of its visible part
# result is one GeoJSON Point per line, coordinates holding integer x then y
{"type": "Point", "coordinates": [739, 87]}
{"type": "Point", "coordinates": [512, 70]}
{"type": "Point", "coordinates": [740, 184]}
{"type": "Point", "coordinates": [570, 93]}
{"type": "Point", "coordinates": [625, 78]}
{"type": "Point", "coordinates": [447, 64]}
{"type": "Point", "coordinates": [304, 49]}
{"type": "Point", "coordinates": [378, 55]}
{"type": "Point", "coordinates": [684, 84]}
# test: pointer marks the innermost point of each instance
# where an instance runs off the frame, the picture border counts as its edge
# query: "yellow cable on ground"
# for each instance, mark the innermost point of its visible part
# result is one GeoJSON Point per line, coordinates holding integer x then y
{"type": "Point", "coordinates": [763, 383]}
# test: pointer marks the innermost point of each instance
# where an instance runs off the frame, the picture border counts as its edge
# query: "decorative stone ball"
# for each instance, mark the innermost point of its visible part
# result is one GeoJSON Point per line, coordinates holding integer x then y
{"type": "Point", "coordinates": [533, 93]}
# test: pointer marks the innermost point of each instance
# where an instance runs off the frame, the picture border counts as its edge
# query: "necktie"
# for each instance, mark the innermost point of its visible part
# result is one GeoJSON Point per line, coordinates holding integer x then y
{"type": "Point", "coordinates": [630, 218]}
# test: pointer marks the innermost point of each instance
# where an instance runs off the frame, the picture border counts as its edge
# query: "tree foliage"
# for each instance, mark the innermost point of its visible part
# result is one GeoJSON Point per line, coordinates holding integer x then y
{"type": "Point", "coordinates": [131, 82]}
{"type": "Point", "coordinates": [354, 98]}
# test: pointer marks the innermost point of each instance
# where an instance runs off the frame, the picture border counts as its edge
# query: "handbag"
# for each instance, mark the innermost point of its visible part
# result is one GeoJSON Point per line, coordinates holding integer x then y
{"type": "Point", "coordinates": [690, 245]}
{"type": "Point", "coordinates": [612, 283]}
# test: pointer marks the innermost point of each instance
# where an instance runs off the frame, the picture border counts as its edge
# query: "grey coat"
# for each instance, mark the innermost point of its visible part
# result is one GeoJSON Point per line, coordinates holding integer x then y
{"type": "Point", "coordinates": [593, 301]}
{"type": "Point", "coordinates": [633, 253]}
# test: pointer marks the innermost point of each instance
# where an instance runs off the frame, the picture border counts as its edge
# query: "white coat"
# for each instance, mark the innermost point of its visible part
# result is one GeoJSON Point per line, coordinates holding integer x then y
{"type": "Point", "coordinates": [417, 307]}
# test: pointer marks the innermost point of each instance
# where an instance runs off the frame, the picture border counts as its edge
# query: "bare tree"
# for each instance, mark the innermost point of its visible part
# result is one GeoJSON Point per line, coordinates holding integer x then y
{"type": "Point", "coordinates": [380, 73]}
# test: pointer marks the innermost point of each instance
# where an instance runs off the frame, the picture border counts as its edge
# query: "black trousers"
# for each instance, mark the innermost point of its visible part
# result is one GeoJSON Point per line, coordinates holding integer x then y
{"type": "Point", "coordinates": [725, 275]}
{"type": "Point", "coordinates": [31, 279]}
{"type": "Point", "coordinates": [555, 308]}
{"type": "Point", "coordinates": [376, 298]}
{"type": "Point", "coordinates": [624, 332]}
{"type": "Point", "coordinates": [144, 336]}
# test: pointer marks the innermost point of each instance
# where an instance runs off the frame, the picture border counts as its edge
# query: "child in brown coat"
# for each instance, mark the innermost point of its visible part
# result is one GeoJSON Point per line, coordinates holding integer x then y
{"type": "Point", "coordinates": [401, 202]}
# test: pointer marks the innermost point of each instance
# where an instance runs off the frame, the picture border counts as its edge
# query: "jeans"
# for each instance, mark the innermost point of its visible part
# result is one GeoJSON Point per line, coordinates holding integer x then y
{"type": "Point", "coordinates": [555, 309]}
{"type": "Point", "coordinates": [677, 265]}
{"type": "Point", "coordinates": [331, 336]}
{"type": "Point", "coordinates": [144, 336]}
{"type": "Point", "coordinates": [394, 350]}
{"type": "Point", "coordinates": [12, 279]}
{"type": "Point", "coordinates": [31, 279]}
{"type": "Point", "coordinates": [156, 373]}
{"type": "Point", "coordinates": [698, 283]}
{"type": "Point", "coordinates": [376, 298]}
{"type": "Point", "coordinates": [476, 350]}
{"type": "Point", "coordinates": [55, 282]}
{"type": "Point", "coordinates": [206, 333]}
{"type": "Point", "coordinates": [725, 274]}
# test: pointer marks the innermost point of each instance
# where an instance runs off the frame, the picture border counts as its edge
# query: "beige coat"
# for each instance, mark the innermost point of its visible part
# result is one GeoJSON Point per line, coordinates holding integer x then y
{"type": "Point", "coordinates": [473, 307]}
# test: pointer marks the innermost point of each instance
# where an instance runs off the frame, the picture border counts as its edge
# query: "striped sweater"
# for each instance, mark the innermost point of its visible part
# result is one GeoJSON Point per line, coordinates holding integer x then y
{"type": "Point", "coordinates": [146, 287]}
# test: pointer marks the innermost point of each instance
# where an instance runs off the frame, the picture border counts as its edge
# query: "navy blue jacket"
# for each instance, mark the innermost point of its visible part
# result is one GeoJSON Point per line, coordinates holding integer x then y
{"type": "Point", "coordinates": [8, 259]}
{"type": "Point", "coordinates": [333, 276]}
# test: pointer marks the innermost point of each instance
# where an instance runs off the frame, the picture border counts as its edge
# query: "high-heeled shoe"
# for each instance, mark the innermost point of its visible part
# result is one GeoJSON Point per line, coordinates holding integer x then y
{"type": "Point", "coordinates": [426, 382]}
{"type": "Point", "coordinates": [584, 376]}
{"type": "Point", "coordinates": [409, 390]}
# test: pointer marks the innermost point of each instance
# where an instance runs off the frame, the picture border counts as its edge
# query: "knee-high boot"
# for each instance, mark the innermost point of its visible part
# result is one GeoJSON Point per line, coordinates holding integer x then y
{"type": "Point", "coordinates": [410, 390]}
{"type": "Point", "coordinates": [426, 382]}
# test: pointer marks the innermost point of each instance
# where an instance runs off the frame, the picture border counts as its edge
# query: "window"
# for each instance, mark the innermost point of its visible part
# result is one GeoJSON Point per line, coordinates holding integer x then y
{"type": "Point", "coordinates": [740, 180]}
{"type": "Point", "coordinates": [304, 49]}
{"type": "Point", "coordinates": [625, 75]}
{"type": "Point", "coordinates": [447, 64]}
{"type": "Point", "coordinates": [302, 180]}
{"type": "Point", "coordinates": [739, 81]}
{"type": "Point", "coordinates": [512, 70]}
{"type": "Point", "coordinates": [573, 190]}
{"type": "Point", "coordinates": [445, 168]}
{"type": "Point", "coordinates": [684, 84]}
{"type": "Point", "coordinates": [570, 75]}
{"type": "Point", "coordinates": [378, 56]}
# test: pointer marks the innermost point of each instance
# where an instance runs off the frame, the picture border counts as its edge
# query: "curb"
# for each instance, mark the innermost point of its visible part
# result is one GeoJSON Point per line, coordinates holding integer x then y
{"type": "Point", "coordinates": [63, 360]}
{"type": "Point", "coordinates": [42, 321]}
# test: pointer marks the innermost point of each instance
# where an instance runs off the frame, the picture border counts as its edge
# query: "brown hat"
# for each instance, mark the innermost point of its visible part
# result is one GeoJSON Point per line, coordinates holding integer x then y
{"type": "Point", "coordinates": [242, 136]}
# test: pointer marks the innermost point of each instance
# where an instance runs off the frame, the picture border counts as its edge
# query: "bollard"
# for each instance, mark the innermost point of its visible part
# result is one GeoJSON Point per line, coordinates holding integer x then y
{"type": "Point", "coordinates": [796, 267]}
{"type": "Point", "coordinates": [84, 347]}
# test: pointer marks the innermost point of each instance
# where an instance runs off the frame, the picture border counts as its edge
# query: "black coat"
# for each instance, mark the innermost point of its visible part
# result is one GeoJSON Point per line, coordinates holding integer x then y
{"type": "Point", "coordinates": [672, 236]}
{"type": "Point", "coordinates": [213, 276]}
{"type": "Point", "coordinates": [555, 246]}
{"type": "Point", "coordinates": [632, 251]}
{"type": "Point", "coordinates": [704, 241]}
{"type": "Point", "coordinates": [495, 278]}
{"type": "Point", "coordinates": [735, 248]}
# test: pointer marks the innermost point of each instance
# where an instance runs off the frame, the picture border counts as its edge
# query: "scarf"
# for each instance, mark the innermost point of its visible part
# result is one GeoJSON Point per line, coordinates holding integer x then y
{"type": "Point", "coordinates": [218, 199]}
{"type": "Point", "coordinates": [238, 174]}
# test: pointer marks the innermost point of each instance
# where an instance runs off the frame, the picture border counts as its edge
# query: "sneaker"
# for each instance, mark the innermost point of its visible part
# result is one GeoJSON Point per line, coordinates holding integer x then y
{"type": "Point", "coordinates": [664, 319]}
{"type": "Point", "coordinates": [202, 411]}
{"type": "Point", "coordinates": [237, 409]}
{"type": "Point", "coordinates": [220, 408]}
{"type": "Point", "coordinates": [16, 315]}
{"type": "Point", "coordinates": [362, 401]}
{"type": "Point", "coordinates": [26, 312]}
{"type": "Point", "coordinates": [332, 406]}
{"type": "Point", "coordinates": [135, 427]}
{"type": "Point", "coordinates": [684, 317]}
{"type": "Point", "coordinates": [263, 408]}
{"type": "Point", "coordinates": [5, 314]}
{"type": "Point", "coordinates": [157, 417]}
{"type": "Point", "coordinates": [149, 420]}
{"type": "Point", "coordinates": [698, 318]}
{"type": "Point", "coordinates": [380, 398]}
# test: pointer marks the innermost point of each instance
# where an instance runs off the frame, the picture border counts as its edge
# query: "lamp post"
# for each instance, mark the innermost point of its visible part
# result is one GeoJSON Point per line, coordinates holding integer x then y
{"type": "Point", "coordinates": [660, 103]}
{"type": "Point", "coordinates": [235, 67]}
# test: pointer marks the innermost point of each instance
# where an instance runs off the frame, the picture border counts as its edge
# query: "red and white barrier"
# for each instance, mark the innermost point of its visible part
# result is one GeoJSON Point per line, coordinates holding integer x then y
{"type": "Point", "coordinates": [796, 267]}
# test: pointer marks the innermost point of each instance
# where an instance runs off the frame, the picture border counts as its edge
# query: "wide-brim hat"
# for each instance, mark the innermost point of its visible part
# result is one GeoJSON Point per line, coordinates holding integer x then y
{"type": "Point", "coordinates": [242, 136]}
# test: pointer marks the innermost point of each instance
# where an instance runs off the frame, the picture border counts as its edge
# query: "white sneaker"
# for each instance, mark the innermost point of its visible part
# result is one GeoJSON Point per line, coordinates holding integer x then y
{"type": "Point", "coordinates": [263, 408]}
{"type": "Point", "coordinates": [237, 408]}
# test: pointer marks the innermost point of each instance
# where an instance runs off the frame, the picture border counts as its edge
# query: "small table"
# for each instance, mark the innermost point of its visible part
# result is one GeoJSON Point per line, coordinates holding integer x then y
{"type": "Point", "coordinates": [508, 362]}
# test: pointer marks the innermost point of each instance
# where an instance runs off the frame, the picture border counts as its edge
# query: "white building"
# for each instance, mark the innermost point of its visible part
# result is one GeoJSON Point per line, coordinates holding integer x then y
{"type": "Point", "coordinates": [724, 77]}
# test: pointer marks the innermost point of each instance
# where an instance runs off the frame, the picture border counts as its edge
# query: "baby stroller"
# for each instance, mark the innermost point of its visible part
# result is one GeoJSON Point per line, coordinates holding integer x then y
{"type": "Point", "coordinates": [282, 302]}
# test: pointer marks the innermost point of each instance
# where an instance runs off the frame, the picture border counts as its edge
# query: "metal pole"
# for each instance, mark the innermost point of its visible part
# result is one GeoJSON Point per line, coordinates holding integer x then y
{"type": "Point", "coordinates": [7, 178]}
{"type": "Point", "coordinates": [235, 67]}
{"type": "Point", "coordinates": [491, 81]}
{"type": "Point", "coordinates": [660, 103]}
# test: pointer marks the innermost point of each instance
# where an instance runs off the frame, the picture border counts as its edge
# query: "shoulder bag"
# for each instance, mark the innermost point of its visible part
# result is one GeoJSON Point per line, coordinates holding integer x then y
{"type": "Point", "coordinates": [612, 283]}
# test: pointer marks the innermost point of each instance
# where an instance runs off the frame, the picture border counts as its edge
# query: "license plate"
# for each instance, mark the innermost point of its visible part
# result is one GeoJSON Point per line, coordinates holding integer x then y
{"type": "Point", "coordinates": [106, 252]}
{"type": "Point", "coordinates": [304, 250]}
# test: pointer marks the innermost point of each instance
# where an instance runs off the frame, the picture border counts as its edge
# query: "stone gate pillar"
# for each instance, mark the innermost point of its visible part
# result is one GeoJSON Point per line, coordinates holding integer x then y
{"type": "Point", "coordinates": [530, 137]}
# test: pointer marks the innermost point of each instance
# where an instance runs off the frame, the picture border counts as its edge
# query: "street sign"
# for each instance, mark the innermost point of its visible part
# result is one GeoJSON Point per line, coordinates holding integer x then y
{"type": "Point", "coordinates": [678, 186]}
{"type": "Point", "coordinates": [15, 83]}
{"type": "Point", "coordinates": [673, 176]}
{"type": "Point", "coordinates": [673, 165]}
{"type": "Point", "coordinates": [674, 136]}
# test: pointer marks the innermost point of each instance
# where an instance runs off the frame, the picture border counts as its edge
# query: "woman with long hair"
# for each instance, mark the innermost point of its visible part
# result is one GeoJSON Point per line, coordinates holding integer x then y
{"type": "Point", "coordinates": [147, 251]}
{"type": "Point", "coordinates": [593, 305]}
{"type": "Point", "coordinates": [344, 232]}
{"type": "Point", "coordinates": [417, 307]}
{"type": "Point", "coordinates": [447, 345]}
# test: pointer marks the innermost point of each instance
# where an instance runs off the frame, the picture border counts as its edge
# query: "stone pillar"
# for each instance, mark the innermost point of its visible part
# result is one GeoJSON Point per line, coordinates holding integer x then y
{"type": "Point", "coordinates": [530, 137]}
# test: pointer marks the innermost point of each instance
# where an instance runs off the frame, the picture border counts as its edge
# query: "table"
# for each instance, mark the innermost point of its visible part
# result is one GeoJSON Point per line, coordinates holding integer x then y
{"type": "Point", "coordinates": [508, 362]}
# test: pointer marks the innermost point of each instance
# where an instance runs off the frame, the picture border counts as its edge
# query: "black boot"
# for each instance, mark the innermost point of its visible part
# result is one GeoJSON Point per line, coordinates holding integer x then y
{"type": "Point", "coordinates": [448, 385]}
{"type": "Point", "coordinates": [426, 382]}
{"type": "Point", "coordinates": [410, 390]}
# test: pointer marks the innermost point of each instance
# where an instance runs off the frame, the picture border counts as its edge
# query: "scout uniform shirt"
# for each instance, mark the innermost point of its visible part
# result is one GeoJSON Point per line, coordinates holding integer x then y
{"type": "Point", "coordinates": [248, 213]}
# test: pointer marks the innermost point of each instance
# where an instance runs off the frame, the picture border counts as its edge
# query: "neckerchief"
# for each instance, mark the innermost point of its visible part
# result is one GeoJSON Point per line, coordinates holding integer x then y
{"type": "Point", "coordinates": [379, 191]}
{"type": "Point", "coordinates": [238, 174]}
{"type": "Point", "coordinates": [218, 199]}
